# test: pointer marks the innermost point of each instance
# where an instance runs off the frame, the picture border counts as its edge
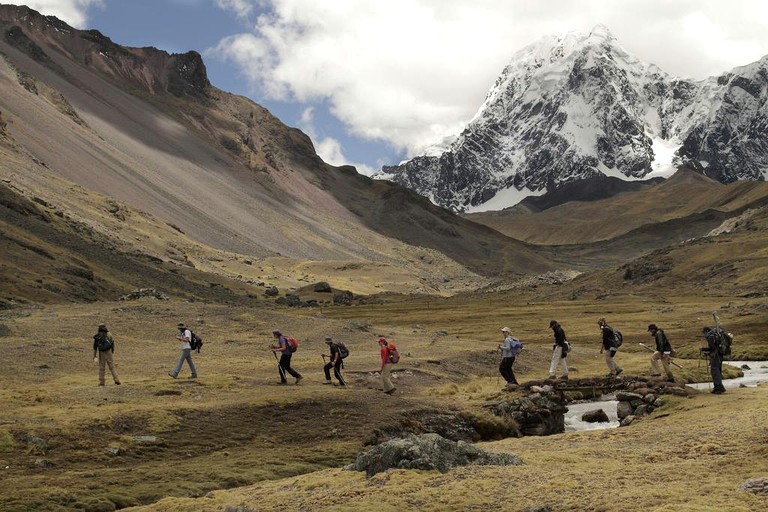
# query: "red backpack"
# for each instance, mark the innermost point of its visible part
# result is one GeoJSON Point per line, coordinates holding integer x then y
{"type": "Point", "coordinates": [292, 344]}
{"type": "Point", "coordinates": [394, 355]}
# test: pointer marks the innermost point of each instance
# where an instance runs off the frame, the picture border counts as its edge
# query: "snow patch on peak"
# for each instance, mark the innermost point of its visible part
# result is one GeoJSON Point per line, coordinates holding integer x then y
{"type": "Point", "coordinates": [504, 199]}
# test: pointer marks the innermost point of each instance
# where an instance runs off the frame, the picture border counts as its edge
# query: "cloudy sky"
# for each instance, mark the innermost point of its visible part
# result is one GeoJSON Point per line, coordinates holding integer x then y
{"type": "Point", "coordinates": [375, 81]}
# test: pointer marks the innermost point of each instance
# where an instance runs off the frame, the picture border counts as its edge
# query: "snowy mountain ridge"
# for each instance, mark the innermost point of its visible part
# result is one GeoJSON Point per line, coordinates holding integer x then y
{"type": "Point", "coordinates": [573, 107]}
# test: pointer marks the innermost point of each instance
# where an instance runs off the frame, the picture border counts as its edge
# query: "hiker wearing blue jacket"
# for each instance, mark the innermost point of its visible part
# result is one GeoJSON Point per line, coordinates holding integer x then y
{"type": "Point", "coordinates": [510, 347]}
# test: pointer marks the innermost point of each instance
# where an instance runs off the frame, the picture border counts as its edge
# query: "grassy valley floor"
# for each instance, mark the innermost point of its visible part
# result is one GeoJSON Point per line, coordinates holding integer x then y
{"type": "Point", "coordinates": [234, 438]}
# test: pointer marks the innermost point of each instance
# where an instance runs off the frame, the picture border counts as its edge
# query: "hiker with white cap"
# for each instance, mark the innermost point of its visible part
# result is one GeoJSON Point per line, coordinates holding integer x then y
{"type": "Point", "coordinates": [509, 350]}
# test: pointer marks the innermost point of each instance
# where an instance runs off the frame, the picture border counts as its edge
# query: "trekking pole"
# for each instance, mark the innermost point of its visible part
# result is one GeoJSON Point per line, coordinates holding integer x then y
{"type": "Point", "coordinates": [646, 347]}
{"type": "Point", "coordinates": [279, 368]}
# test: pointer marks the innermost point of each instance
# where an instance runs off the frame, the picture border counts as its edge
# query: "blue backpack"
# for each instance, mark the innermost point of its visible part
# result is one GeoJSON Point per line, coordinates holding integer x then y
{"type": "Point", "coordinates": [517, 347]}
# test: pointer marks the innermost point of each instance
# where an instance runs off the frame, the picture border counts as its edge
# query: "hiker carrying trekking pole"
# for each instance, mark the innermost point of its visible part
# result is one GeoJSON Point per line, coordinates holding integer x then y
{"type": "Point", "coordinates": [336, 362]}
{"type": "Point", "coordinates": [286, 351]}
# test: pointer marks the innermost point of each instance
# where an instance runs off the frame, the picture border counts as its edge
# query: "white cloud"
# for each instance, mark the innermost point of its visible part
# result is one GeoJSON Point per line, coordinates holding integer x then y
{"type": "Point", "coordinates": [328, 148]}
{"type": "Point", "coordinates": [74, 12]}
{"type": "Point", "coordinates": [242, 8]}
{"type": "Point", "coordinates": [410, 72]}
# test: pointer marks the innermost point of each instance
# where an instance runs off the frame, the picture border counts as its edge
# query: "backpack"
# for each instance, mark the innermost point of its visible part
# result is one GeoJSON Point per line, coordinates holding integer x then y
{"type": "Point", "coordinates": [102, 342]}
{"type": "Point", "coordinates": [394, 355]}
{"type": "Point", "coordinates": [292, 344]}
{"type": "Point", "coordinates": [618, 338]}
{"type": "Point", "coordinates": [343, 350]}
{"type": "Point", "coordinates": [723, 340]}
{"type": "Point", "coordinates": [517, 347]}
{"type": "Point", "coordinates": [566, 347]}
{"type": "Point", "coordinates": [195, 342]}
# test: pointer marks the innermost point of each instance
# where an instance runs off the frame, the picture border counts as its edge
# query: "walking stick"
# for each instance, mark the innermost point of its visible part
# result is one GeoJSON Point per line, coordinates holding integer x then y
{"type": "Point", "coordinates": [279, 368]}
{"type": "Point", "coordinates": [651, 350]}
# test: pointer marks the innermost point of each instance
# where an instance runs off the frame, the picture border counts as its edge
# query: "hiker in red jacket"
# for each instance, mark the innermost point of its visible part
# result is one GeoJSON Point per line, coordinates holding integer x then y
{"type": "Point", "coordinates": [386, 367]}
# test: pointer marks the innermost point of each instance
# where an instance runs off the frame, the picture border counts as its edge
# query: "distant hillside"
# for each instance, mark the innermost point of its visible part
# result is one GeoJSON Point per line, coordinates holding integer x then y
{"type": "Point", "coordinates": [147, 129]}
{"type": "Point", "coordinates": [684, 195]}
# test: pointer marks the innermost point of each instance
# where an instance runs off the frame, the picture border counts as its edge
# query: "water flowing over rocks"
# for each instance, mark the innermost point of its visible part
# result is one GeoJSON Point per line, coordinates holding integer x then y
{"type": "Point", "coordinates": [541, 411]}
{"type": "Point", "coordinates": [427, 452]}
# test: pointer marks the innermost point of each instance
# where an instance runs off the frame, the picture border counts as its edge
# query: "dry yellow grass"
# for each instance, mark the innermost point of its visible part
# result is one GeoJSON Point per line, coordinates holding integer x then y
{"type": "Point", "coordinates": [229, 429]}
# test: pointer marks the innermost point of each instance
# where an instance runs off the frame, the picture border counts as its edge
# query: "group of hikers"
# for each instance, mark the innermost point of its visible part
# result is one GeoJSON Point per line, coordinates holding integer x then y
{"type": "Point", "coordinates": [104, 348]}
{"type": "Point", "coordinates": [718, 346]}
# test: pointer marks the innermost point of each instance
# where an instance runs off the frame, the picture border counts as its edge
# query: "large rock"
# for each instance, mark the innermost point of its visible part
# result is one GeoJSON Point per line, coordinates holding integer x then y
{"type": "Point", "coordinates": [596, 416]}
{"type": "Point", "coordinates": [427, 452]}
{"type": "Point", "coordinates": [755, 486]}
{"type": "Point", "coordinates": [536, 415]}
{"type": "Point", "coordinates": [624, 409]}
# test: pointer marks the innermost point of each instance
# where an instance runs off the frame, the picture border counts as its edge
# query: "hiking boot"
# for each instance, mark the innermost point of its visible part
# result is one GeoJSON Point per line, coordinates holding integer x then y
{"type": "Point", "coordinates": [101, 383]}
{"type": "Point", "coordinates": [117, 383]}
{"type": "Point", "coordinates": [172, 375]}
{"type": "Point", "coordinates": [327, 382]}
{"type": "Point", "coordinates": [283, 383]}
{"type": "Point", "coordinates": [192, 377]}
{"type": "Point", "coordinates": [718, 391]}
{"type": "Point", "coordinates": [390, 391]}
{"type": "Point", "coordinates": [618, 371]}
{"type": "Point", "coordinates": [298, 379]}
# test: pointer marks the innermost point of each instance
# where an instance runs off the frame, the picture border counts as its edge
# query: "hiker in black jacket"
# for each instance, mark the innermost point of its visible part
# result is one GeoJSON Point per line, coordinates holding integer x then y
{"type": "Point", "coordinates": [559, 351]}
{"type": "Point", "coordinates": [336, 363]}
{"type": "Point", "coordinates": [608, 347]}
{"type": "Point", "coordinates": [103, 353]}
{"type": "Point", "coordinates": [712, 353]}
{"type": "Point", "coordinates": [663, 353]}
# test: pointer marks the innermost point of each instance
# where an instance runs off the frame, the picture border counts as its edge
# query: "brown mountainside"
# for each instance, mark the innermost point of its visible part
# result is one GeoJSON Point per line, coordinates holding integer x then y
{"type": "Point", "coordinates": [682, 199]}
{"type": "Point", "coordinates": [147, 129]}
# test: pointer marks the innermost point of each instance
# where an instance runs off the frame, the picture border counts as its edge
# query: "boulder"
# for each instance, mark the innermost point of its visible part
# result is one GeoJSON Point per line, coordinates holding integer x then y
{"type": "Point", "coordinates": [623, 396]}
{"type": "Point", "coordinates": [596, 416]}
{"type": "Point", "coordinates": [427, 452]}
{"type": "Point", "coordinates": [641, 410]}
{"type": "Point", "coordinates": [755, 486]}
{"type": "Point", "coordinates": [323, 287]}
{"type": "Point", "coordinates": [627, 421]}
{"type": "Point", "coordinates": [624, 409]}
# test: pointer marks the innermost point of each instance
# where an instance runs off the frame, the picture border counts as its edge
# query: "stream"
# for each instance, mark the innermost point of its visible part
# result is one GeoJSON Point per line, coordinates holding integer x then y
{"type": "Point", "coordinates": [757, 374]}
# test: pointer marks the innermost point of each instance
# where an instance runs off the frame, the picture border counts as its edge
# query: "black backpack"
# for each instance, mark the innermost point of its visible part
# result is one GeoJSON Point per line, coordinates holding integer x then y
{"type": "Point", "coordinates": [618, 338]}
{"type": "Point", "coordinates": [102, 342]}
{"type": "Point", "coordinates": [723, 340]}
{"type": "Point", "coordinates": [196, 342]}
{"type": "Point", "coordinates": [343, 350]}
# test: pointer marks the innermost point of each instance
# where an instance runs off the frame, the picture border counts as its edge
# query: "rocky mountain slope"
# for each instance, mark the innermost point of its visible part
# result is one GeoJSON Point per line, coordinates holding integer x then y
{"type": "Point", "coordinates": [147, 130]}
{"type": "Point", "coordinates": [577, 107]}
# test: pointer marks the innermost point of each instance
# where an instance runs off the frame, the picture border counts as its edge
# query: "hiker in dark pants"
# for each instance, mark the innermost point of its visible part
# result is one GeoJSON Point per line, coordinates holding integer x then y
{"type": "Point", "coordinates": [608, 348]}
{"type": "Point", "coordinates": [285, 358]}
{"type": "Point", "coordinates": [508, 358]}
{"type": "Point", "coordinates": [712, 352]}
{"type": "Point", "coordinates": [103, 353]}
{"type": "Point", "coordinates": [185, 337]}
{"type": "Point", "coordinates": [336, 363]}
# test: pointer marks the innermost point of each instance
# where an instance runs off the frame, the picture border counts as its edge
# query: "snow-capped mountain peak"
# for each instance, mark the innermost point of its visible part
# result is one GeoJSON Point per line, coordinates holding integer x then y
{"type": "Point", "coordinates": [572, 107]}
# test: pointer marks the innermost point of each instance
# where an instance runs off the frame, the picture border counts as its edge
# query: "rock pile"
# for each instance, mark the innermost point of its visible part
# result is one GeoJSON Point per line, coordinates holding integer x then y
{"type": "Point", "coordinates": [145, 293]}
{"type": "Point", "coordinates": [538, 414]}
{"type": "Point", "coordinates": [755, 486]}
{"type": "Point", "coordinates": [427, 452]}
